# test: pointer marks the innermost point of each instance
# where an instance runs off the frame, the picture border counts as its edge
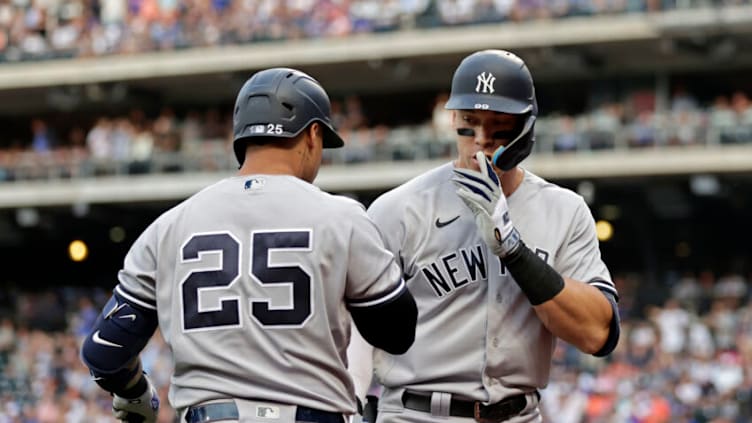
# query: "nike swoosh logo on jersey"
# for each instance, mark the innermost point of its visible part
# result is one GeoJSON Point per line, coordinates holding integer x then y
{"type": "Point", "coordinates": [99, 340]}
{"type": "Point", "coordinates": [440, 224]}
{"type": "Point", "coordinates": [128, 316]}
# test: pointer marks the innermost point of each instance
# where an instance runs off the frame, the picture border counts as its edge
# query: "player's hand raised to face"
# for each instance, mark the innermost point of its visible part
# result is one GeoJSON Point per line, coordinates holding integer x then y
{"type": "Point", "coordinates": [481, 192]}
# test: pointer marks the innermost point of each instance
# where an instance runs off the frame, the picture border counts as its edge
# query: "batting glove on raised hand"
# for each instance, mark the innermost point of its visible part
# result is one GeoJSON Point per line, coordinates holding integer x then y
{"type": "Point", "coordinates": [481, 192]}
{"type": "Point", "coordinates": [143, 409]}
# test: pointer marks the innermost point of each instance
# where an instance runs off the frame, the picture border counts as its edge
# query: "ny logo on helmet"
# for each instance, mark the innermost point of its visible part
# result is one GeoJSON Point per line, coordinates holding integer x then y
{"type": "Point", "coordinates": [485, 83]}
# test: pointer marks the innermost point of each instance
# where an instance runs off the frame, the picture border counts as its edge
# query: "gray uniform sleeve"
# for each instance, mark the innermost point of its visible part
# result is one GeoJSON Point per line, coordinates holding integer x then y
{"type": "Point", "coordinates": [373, 274]}
{"type": "Point", "coordinates": [392, 229]}
{"type": "Point", "coordinates": [138, 276]}
{"type": "Point", "coordinates": [580, 257]}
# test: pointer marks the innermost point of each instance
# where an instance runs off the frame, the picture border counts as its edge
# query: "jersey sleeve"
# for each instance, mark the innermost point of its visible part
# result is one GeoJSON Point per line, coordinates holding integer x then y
{"type": "Point", "coordinates": [137, 278]}
{"type": "Point", "coordinates": [392, 230]}
{"type": "Point", "coordinates": [581, 257]}
{"type": "Point", "coordinates": [373, 276]}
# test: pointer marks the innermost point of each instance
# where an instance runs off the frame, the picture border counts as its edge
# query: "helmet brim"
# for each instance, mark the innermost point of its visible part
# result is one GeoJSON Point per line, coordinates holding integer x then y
{"type": "Point", "coordinates": [488, 102]}
{"type": "Point", "coordinates": [332, 138]}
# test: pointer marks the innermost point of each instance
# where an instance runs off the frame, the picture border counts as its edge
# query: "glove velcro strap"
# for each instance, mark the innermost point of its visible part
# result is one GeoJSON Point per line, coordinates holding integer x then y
{"type": "Point", "coordinates": [508, 245]}
{"type": "Point", "coordinates": [538, 281]}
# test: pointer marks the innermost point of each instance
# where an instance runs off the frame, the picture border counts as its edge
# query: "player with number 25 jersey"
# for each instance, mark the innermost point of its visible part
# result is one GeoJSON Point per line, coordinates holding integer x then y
{"type": "Point", "coordinates": [254, 280]}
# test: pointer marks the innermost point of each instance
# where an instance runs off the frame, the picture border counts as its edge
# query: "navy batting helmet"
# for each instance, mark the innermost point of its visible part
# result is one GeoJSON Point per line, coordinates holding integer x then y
{"type": "Point", "coordinates": [280, 102]}
{"type": "Point", "coordinates": [499, 81]}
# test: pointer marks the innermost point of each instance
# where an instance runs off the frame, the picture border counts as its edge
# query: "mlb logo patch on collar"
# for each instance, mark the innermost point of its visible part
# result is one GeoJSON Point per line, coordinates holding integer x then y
{"type": "Point", "coordinates": [255, 184]}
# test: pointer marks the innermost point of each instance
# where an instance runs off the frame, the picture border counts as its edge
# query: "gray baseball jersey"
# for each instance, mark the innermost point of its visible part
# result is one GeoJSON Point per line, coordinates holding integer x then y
{"type": "Point", "coordinates": [250, 279]}
{"type": "Point", "coordinates": [477, 335]}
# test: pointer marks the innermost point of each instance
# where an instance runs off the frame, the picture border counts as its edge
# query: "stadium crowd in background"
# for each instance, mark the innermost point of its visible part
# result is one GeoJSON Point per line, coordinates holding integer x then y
{"type": "Point", "coordinates": [686, 356]}
{"type": "Point", "coordinates": [199, 140]}
{"type": "Point", "coordinates": [35, 30]}
{"type": "Point", "coordinates": [51, 147]}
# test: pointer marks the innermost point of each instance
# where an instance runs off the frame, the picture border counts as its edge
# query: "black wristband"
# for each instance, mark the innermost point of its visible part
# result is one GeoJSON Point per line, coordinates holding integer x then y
{"type": "Point", "coordinates": [538, 281]}
{"type": "Point", "coordinates": [134, 391]}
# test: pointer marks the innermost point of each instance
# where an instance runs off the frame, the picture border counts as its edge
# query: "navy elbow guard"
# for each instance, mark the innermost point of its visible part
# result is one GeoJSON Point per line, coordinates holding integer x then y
{"type": "Point", "coordinates": [537, 280]}
{"type": "Point", "coordinates": [117, 338]}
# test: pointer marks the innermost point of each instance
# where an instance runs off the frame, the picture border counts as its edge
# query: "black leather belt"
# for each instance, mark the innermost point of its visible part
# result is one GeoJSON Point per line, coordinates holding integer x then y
{"type": "Point", "coordinates": [497, 412]}
{"type": "Point", "coordinates": [229, 411]}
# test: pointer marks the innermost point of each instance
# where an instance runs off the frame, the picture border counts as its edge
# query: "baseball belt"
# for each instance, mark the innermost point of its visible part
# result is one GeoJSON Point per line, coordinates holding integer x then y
{"type": "Point", "coordinates": [492, 413]}
{"type": "Point", "coordinates": [229, 411]}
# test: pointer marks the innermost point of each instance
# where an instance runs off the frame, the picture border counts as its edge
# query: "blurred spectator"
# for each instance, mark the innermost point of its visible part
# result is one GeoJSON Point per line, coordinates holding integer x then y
{"type": "Point", "coordinates": [99, 141]}
{"type": "Point", "coordinates": [199, 139]}
{"type": "Point", "coordinates": [672, 322]}
{"type": "Point", "coordinates": [84, 318]}
{"type": "Point", "coordinates": [567, 137]}
{"type": "Point", "coordinates": [643, 131]}
{"type": "Point", "coordinates": [687, 292]}
{"type": "Point", "coordinates": [682, 100]}
{"type": "Point", "coordinates": [354, 114]}
{"type": "Point", "coordinates": [7, 340]}
{"type": "Point", "coordinates": [605, 122]}
{"type": "Point", "coordinates": [731, 286]}
{"type": "Point", "coordinates": [441, 127]}
{"type": "Point", "coordinates": [722, 121]}
{"type": "Point", "coordinates": [456, 12]}
{"type": "Point", "coordinates": [142, 148]}
{"type": "Point", "coordinates": [121, 142]}
{"type": "Point", "coordinates": [42, 140]}
{"type": "Point", "coordinates": [742, 106]}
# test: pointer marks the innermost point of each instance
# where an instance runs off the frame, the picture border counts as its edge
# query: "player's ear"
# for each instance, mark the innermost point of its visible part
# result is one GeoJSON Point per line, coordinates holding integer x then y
{"type": "Point", "coordinates": [315, 135]}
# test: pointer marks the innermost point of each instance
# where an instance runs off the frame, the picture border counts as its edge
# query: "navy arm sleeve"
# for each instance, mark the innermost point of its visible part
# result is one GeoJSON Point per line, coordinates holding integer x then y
{"type": "Point", "coordinates": [388, 325]}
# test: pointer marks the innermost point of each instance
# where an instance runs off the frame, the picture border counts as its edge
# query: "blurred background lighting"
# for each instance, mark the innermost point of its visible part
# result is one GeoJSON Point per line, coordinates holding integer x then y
{"type": "Point", "coordinates": [78, 250]}
{"type": "Point", "coordinates": [117, 234]}
{"type": "Point", "coordinates": [604, 230]}
{"type": "Point", "coordinates": [610, 212]}
{"type": "Point", "coordinates": [27, 217]}
{"type": "Point", "coordinates": [587, 190]}
{"type": "Point", "coordinates": [704, 185]}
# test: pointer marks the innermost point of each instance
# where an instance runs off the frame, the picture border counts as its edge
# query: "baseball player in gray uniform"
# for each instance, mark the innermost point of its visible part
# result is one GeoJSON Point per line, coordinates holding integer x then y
{"type": "Point", "coordinates": [500, 262]}
{"type": "Point", "coordinates": [254, 280]}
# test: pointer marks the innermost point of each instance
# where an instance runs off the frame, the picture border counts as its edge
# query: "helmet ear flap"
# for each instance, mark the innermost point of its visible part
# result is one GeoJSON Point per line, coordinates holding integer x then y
{"type": "Point", "coordinates": [509, 156]}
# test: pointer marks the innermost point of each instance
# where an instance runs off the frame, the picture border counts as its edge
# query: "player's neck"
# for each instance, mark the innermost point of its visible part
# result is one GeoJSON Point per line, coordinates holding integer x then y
{"type": "Point", "coordinates": [266, 167]}
{"type": "Point", "coordinates": [511, 180]}
{"type": "Point", "coordinates": [272, 161]}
